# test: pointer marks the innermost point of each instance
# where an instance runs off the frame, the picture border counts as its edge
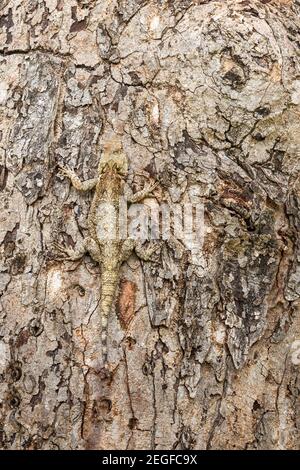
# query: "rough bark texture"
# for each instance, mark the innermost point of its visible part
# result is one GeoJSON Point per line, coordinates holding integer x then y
{"type": "Point", "coordinates": [206, 98]}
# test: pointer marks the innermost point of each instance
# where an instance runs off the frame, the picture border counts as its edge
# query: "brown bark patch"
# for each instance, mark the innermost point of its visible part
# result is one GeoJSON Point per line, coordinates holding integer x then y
{"type": "Point", "coordinates": [22, 338]}
{"type": "Point", "coordinates": [126, 302]}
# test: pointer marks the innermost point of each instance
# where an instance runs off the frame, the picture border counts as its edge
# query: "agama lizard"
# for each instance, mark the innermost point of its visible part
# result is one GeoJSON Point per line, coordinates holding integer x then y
{"type": "Point", "coordinates": [109, 251]}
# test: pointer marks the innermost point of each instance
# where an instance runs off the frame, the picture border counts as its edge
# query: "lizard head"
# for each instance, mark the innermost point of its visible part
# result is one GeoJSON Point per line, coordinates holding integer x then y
{"type": "Point", "coordinates": [113, 158]}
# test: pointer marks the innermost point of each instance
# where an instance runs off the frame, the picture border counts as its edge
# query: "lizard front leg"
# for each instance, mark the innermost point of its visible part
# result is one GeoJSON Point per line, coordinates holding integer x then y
{"type": "Point", "coordinates": [140, 195]}
{"type": "Point", "coordinates": [76, 182]}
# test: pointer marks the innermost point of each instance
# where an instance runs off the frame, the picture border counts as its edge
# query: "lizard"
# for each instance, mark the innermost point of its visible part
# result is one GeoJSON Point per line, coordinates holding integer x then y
{"type": "Point", "coordinates": [107, 250]}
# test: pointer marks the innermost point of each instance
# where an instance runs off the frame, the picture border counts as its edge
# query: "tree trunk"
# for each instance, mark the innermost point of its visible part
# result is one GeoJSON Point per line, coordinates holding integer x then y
{"type": "Point", "coordinates": [205, 349]}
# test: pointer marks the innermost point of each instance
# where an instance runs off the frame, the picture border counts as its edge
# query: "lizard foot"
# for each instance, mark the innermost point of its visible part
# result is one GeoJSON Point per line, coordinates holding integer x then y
{"type": "Point", "coordinates": [66, 254]}
{"type": "Point", "coordinates": [149, 253]}
{"type": "Point", "coordinates": [150, 187]}
{"type": "Point", "coordinates": [66, 171]}
{"type": "Point", "coordinates": [147, 191]}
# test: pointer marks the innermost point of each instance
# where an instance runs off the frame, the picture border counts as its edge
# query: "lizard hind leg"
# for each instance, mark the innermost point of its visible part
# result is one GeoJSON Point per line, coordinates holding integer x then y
{"type": "Point", "coordinates": [146, 253]}
{"type": "Point", "coordinates": [127, 248]}
{"type": "Point", "coordinates": [88, 245]}
{"type": "Point", "coordinates": [68, 254]}
{"type": "Point", "coordinates": [93, 248]}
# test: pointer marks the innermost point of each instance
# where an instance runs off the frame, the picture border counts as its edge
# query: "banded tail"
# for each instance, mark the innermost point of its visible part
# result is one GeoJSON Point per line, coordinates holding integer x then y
{"type": "Point", "coordinates": [109, 285]}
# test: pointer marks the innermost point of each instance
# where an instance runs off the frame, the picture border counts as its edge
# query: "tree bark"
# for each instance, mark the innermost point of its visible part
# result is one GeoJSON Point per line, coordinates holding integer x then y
{"type": "Point", "coordinates": [205, 96]}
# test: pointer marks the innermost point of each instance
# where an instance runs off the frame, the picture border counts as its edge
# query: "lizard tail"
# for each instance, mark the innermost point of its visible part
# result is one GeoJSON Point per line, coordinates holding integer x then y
{"type": "Point", "coordinates": [109, 283]}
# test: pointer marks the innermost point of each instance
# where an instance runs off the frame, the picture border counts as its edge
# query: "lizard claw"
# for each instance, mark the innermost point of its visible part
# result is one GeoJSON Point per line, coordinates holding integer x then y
{"type": "Point", "coordinates": [65, 171]}
{"type": "Point", "coordinates": [70, 254]}
{"type": "Point", "coordinates": [58, 246]}
{"type": "Point", "coordinates": [151, 187]}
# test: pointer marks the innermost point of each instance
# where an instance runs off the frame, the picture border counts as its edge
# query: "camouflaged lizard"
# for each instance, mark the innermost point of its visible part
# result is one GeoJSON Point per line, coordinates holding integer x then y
{"type": "Point", "coordinates": [110, 252]}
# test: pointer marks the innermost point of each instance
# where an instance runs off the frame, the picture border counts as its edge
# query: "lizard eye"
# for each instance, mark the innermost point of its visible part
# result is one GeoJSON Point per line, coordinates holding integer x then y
{"type": "Point", "coordinates": [122, 171]}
